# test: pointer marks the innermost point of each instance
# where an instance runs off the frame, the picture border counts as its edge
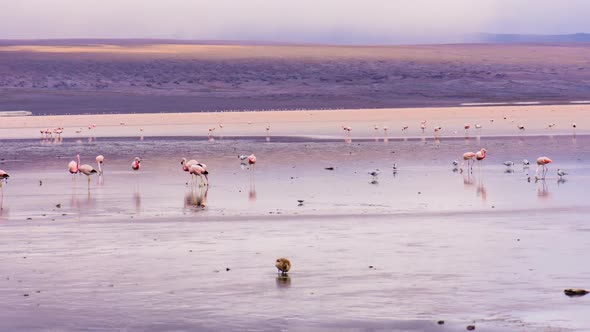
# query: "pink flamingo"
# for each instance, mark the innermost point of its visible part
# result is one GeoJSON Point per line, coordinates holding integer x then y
{"type": "Point", "coordinates": [423, 125]}
{"type": "Point", "coordinates": [467, 156]}
{"type": "Point", "coordinates": [73, 166]}
{"type": "Point", "coordinates": [252, 161]}
{"type": "Point", "coordinates": [136, 164]}
{"type": "Point", "coordinates": [100, 161]}
{"type": "Point", "coordinates": [87, 170]}
{"type": "Point", "coordinates": [199, 170]}
{"type": "Point", "coordinates": [481, 155]}
{"type": "Point", "coordinates": [574, 126]}
{"type": "Point", "coordinates": [186, 165]}
{"type": "Point", "coordinates": [542, 162]}
{"type": "Point", "coordinates": [467, 126]}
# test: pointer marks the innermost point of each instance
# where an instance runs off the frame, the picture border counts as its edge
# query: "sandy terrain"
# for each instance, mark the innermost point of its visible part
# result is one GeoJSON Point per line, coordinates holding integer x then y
{"type": "Point", "coordinates": [134, 77]}
{"type": "Point", "coordinates": [136, 252]}
{"type": "Point", "coordinates": [325, 124]}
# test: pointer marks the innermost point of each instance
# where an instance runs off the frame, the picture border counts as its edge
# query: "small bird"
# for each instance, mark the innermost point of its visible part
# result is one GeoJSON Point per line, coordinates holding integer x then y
{"type": "Point", "coordinates": [561, 173]}
{"type": "Point", "coordinates": [243, 157]}
{"type": "Point", "coordinates": [526, 163]}
{"type": "Point", "coordinates": [520, 127]}
{"type": "Point", "coordinates": [374, 173]}
{"type": "Point", "coordinates": [508, 163]}
{"type": "Point", "coordinates": [477, 126]}
{"type": "Point", "coordinates": [300, 201]}
{"type": "Point", "coordinates": [283, 266]}
{"type": "Point", "coordinates": [455, 163]}
{"type": "Point", "coordinates": [136, 164]}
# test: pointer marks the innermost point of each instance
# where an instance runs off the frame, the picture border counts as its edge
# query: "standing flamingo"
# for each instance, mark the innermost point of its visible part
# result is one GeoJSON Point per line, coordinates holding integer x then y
{"type": "Point", "coordinates": [136, 164]}
{"type": "Point", "coordinates": [481, 155]}
{"type": "Point", "coordinates": [73, 166]}
{"type": "Point", "coordinates": [199, 170]}
{"type": "Point", "coordinates": [87, 170]}
{"type": "Point", "coordinates": [467, 126]}
{"type": "Point", "coordinates": [100, 161]}
{"type": "Point", "coordinates": [3, 178]}
{"type": "Point", "coordinates": [574, 126]}
{"type": "Point", "coordinates": [423, 125]}
{"type": "Point", "coordinates": [542, 162]}
{"type": "Point", "coordinates": [467, 156]}
{"type": "Point", "coordinates": [252, 161]}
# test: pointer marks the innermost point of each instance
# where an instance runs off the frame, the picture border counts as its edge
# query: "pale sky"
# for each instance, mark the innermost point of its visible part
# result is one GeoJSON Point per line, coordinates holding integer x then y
{"type": "Point", "coordinates": [316, 21]}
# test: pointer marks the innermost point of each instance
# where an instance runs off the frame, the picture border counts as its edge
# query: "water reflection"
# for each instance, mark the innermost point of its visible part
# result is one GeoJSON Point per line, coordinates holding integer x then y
{"type": "Point", "coordinates": [542, 189]}
{"type": "Point", "coordinates": [283, 281]}
{"type": "Point", "coordinates": [196, 197]}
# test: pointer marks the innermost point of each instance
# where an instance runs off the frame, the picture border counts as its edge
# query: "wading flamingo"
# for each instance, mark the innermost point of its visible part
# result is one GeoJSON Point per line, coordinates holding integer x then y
{"type": "Point", "coordinates": [481, 155]}
{"type": "Point", "coordinates": [467, 126]}
{"type": "Point", "coordinates": [136, 164]}
{"type": "Point", "coordinates": [251, 161]}
{"type": "Point", "coordinates": [467, 157]}
{"type": "Point", "coordinates": [187, 164]}
{"type": "Point", "coordinates": [199, 170]}
{"type": "Point", "coordinates": [100, 161]}
{"type": "Point", "coordinates": [73, 166]}
{"type": "Point", "coordinates": [3, 178]}
{"type": "Point", "coordinates": [87, 170]}
{"type": "Point", "coordinates": [542, 162]}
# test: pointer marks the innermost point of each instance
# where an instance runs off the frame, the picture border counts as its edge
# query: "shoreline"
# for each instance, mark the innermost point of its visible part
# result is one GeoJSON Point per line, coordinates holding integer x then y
{"type": "Point", "coordinates": [365, 123]}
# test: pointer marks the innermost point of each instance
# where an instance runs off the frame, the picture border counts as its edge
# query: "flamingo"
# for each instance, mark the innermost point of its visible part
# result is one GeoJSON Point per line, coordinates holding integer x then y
{"type": "Point", "coordinates": [481, 155]}
{"type": "Point", "coordinates": [467, 126]}
{"type": "Point", "coordinates": [3, 178]}
{"type": "Point", "coordinates": [199, 170]}
{"type": "Point", "coordinates": [574, 126]}
{"type": "Point", "coordinates": [136, 164]}
{"type": "Point", "coordinates": [252, 160]}
{"type": "Point", "coordinates": [423, 125]}
{"type": "Point", "coordinates": [467, 156]}
{"type": "Point", "coordinates": [86, 170]}
{"type": "Point", "coordinates": [347, 129]}
{"type": "Point", "coordinates": [73, 166]}
{"type": "Point", "coordinates": [542, 162]}
{"type": "Point", "coordinates": [100, 161]}
{"type": "Point", "coordinates": [437, 131]}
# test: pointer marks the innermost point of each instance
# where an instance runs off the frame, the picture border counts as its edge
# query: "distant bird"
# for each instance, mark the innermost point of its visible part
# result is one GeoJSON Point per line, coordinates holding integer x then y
{"type": "Point", "coordinates": [455, 163]}
{"type": "Point", "coordinates": [508, 163]}
{"type": "Point", "coordinates": [242, 157]}
{"type": "Point", "coordinates": [136, 164]}
{"type": "Point", "coordinates": [550, 126]}
{"type": "Point", "coordinates": [374, 173]}
{"type": "Point", "coordinates": [520, 127]}
{"type": "Point", "coordinates": [268, 128]}
{"type": "Point", "coordinates": [423, 126]}
{"type": "Point", "coordinates": [561, 173]}
{"type": "Point", "coordinates": [542, 162]}
{"type": "Point", "coordinates": [385, 129]}
{"type": "Point", "coordinates": [394, 167]}
{"type": "Point", "coordinates": [100, 161]}
{"type": "Point", "coordinates": [477, 126]}
{"type": "Point", "coordinates": [526, 163]}
{"type": "Point", "coordinates": [467, 126]}
{"type": "Point", "coordinates": [574, 126]}
{"type": "Point", "coordinates": [404, 128]}
{"type": "Point", "coordinates": [283, 266]}
{"type": "Point", "coordinates": [251, 161]}
{"type": "Point", "coordinates": [347, 129]}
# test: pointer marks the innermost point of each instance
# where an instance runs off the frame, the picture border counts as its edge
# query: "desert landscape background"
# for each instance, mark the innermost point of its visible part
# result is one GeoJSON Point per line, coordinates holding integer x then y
{"type": "Point", "coordinates": [145, 76]}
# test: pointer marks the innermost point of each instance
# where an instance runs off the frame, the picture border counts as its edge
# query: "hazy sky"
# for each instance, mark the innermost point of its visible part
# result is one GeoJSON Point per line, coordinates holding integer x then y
{"type": "Point", "coordinates": [332, 21]}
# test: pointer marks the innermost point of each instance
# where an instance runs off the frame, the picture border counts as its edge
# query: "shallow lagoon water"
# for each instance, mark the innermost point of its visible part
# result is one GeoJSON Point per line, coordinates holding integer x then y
{"type": "Point", "coordinates": [135, 253]}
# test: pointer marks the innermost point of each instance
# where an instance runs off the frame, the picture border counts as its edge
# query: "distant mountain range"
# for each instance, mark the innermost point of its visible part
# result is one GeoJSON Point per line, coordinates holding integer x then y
{"type": "Point", "coordinates": [517, 38]}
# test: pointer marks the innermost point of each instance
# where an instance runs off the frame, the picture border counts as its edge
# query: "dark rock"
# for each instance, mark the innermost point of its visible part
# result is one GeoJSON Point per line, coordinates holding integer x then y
{"type": "Point", "coordinates": [440, 322]}
{"type": "Point", "coordinates": [329, 168]}
{"type": "Point", "coordinates": [470, 327]}
{"type": "Point", "coordinates": [58, 205]}
{"type": "Point", "coordinates": [227, 269]}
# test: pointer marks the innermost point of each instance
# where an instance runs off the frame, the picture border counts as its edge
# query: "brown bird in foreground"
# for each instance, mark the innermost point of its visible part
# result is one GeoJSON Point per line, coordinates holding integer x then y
{"type": "Point", "coordinates": [283, 265]}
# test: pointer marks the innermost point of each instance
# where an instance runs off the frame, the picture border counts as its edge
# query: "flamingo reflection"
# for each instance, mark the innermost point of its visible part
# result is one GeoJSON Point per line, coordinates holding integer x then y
{"type": "Point", "coordinates": [196, 197]}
